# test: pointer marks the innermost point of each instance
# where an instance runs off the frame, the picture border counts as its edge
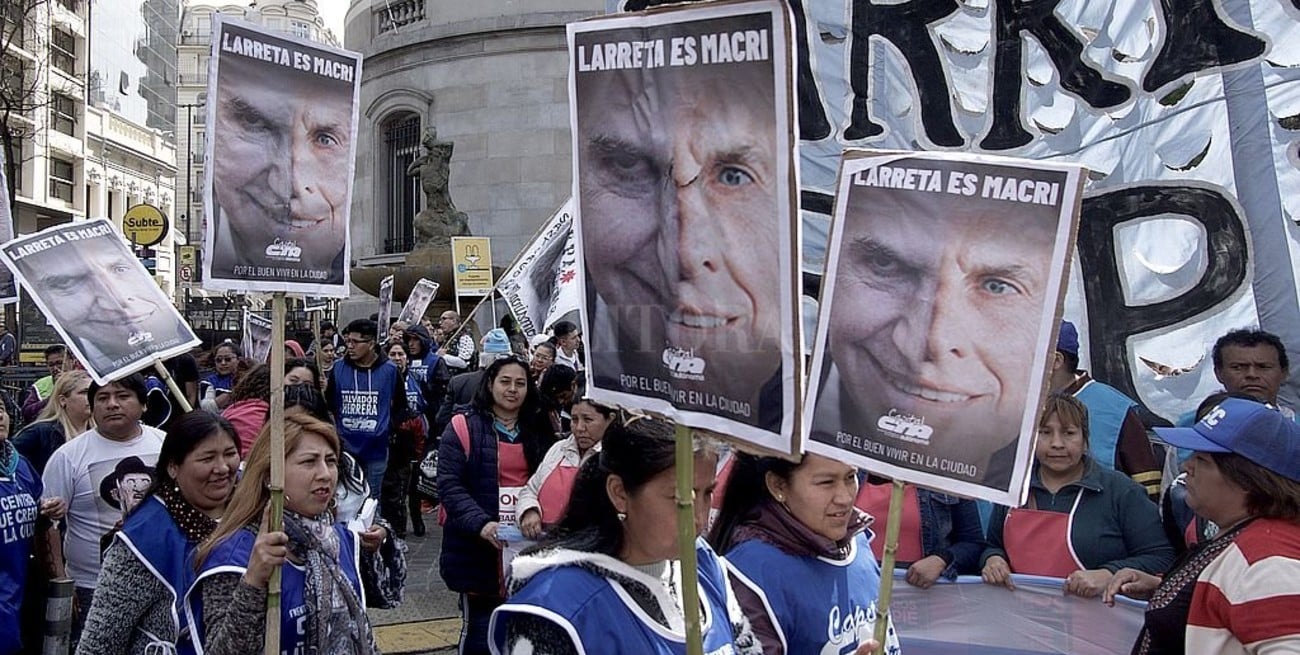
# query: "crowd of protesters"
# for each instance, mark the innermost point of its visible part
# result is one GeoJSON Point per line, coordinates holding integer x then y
{"type": "Point", "coordinates": [168, 545]}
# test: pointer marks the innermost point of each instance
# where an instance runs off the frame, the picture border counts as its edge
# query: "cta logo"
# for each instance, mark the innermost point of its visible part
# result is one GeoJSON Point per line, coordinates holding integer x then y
{"type": "Point", "coordinates": [138, 338]}
{"type": "Point", "coordinates": [284, 251]}
{"type": "Point", "coordinates": [360, 424]}
{"type": "Point", "coordinates": [683, 364]}
{"type": "Point", "coordinates": [908, 427]}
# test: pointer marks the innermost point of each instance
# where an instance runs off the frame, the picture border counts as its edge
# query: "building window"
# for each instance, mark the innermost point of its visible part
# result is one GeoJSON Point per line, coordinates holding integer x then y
{"type": "Point", "coordinates": [300, 29]}
{"type": "Point", "coordinates": [70, 5]}
{"type": "Point", "coordinates": [61, 179]}
{"type": "Point", "coordinates": [63, 51]}
{"type": "Point", "coordinates": [13, 77]}
{"type": "Point", "coordinates": [63, 114]}
{"type": "Point", "coordinates": [12, 22]}
{"type": "Point", "coordinates": [401, 147]}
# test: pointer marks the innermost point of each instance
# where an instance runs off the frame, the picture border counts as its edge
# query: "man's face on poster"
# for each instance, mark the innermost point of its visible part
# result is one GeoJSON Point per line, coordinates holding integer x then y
{"type": "Point", "coordinates": [280, 165]}
{"type": "Point", "coordinates": [131, 489]}
{"type": "Point", "coordinates": [100, 296]}
{"type": "Point", "coordinates": [678, 182]}
{"type": "Point", "coordinates": [935, 314]}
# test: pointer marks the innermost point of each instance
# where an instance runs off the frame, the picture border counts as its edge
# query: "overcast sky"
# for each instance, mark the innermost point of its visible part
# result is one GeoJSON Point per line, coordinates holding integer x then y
{"type": "Point", "coordinates": [333, 11]}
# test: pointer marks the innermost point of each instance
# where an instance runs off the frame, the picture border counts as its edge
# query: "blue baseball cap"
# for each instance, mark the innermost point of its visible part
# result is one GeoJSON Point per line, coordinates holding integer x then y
{"type": "Point", "coordinates": [1253, 430]}
{"type": "Point", "coordinates": [1067, 340]}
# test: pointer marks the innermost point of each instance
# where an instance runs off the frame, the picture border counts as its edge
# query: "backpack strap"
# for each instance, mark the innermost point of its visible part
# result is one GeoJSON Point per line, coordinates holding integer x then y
{"type": "Point", "coordinates": [461, 426]}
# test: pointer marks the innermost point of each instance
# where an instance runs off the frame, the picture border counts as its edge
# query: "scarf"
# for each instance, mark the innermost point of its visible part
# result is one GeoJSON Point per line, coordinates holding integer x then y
{"type": "Point", "coordinates": [771, 523]}
{"type": "Point", "coordinates": [8, 459]}
{"type": "Point", "coordinates": [336, 623]}
{"type": "Point", "coordinates": [194, 524]}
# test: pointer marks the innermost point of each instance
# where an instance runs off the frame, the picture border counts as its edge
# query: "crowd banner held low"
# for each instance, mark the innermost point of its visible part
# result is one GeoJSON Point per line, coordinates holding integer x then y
{"type": "Point", "coordinates": [938, 317]}
{"type": "Point", "coordinates": [685, 219]}
{"type": "Point", "coordinates": [99, 297]}
{"type": "Point", "coordinates": [282, 121]}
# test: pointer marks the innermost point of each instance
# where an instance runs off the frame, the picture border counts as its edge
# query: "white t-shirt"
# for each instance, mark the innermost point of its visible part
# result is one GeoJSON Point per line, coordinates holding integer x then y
{"type": "Point", "coordinates": [85, 473]}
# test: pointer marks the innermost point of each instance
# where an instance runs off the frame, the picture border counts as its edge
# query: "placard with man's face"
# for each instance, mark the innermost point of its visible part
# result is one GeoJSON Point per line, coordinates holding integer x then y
{"type": "Point", "coordinates": [938, 313]}
{"type": "Point", "coordinates": [685, 215]}
{"type": "Point", "coordinates": [99, 297]}
{"type": "Point", "coordinates": [282, 116]}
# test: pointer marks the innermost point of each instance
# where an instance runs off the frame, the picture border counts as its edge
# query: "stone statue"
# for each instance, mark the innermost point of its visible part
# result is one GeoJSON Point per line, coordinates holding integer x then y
{"type": "Point", "coordinates": [440, 220]}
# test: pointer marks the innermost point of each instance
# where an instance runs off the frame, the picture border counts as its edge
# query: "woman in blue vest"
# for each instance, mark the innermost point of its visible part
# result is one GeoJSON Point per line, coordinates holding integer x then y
{"type": "Point", "coordinates": [322, 602]}
{"type": "Point", "coordinates": [215, 387]}
{"type": "Point", "coordinates": [138, 606]}
{"type": "Point", "coordinates": [799, 555]}
{"type": "Point", "coordinates": [609, 581]}
{"type": "Point", "coordinates": [408, 440]}
{"type": "Point", "coordinates": [21, 510]}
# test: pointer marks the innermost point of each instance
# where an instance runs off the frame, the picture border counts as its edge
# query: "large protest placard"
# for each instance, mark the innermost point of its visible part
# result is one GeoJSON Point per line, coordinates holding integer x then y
{"type": "Point", "coordinates": [99, 297]}
{"type": "Point", "coordinates": [8, 287]}
{"type": "Point", "coordinates": [256, 343]}
{"type": "Point", "coordinates": [416, 303]}
{"type": "Point", "coordinates": [282, 122]}
{"type": "Point", "coordinates": [685, 218]}
{"type": "Point", "coordinates": [1184, 112]}
{"type": "Point", "coordinates": [541, 286]}
{"type": "Point", "coordinates": [938, 315]}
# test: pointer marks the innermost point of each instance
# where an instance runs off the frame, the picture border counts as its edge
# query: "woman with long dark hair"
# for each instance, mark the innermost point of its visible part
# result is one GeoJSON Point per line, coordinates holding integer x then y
{"type": "Point", "coordinates": [799, 551]}
{"type": "Point", "coordinates": [488, 452]}
{"type": "Point", "coordinates": [138, 604]}
{"type": "Point", "coordinates": [609, 580]}
{"type": "Point", "coordinates": [322, 607]}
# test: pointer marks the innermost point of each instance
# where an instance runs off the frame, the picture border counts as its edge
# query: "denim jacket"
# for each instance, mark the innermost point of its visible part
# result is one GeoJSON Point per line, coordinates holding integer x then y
{"type": "Point", "coordinates": [951, 529]}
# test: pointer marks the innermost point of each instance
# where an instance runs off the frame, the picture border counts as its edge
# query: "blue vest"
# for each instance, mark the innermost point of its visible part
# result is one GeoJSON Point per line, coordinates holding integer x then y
{"type": "Point", "coordinates": [820, 606]}
{"type": "Point", "coordinates": [414, 396]}
{"type": "Point", "coordinates": [152, 535]}
{"type": "Point", "coordinates": [1107, 408]}
{"type": "Point", "coordinates": [216, 382]}
{"type": "Point", "coordinates": [419, 366]}
{"type": "Point", "coordinates": [598, 614]}
{"type": "Point", "coordinates": [231, 556]}
{"type": "Point", "coordinates": [19, 507]}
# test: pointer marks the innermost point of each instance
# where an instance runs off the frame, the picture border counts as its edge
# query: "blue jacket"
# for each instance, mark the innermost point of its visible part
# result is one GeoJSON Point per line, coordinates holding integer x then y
{"type": "Point", "coordinates": [20, 496]}
{"type": "Point", "coordinates": [367, 404]}
{"type": "Point", "coordinates": [468, 489]}
{"type": "Point", "coordinates": [951, 529]}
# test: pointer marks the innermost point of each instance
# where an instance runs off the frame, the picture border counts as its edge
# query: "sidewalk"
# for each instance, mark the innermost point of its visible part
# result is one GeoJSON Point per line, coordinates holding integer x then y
{"type": "Point", "coordinates": [428, 621]}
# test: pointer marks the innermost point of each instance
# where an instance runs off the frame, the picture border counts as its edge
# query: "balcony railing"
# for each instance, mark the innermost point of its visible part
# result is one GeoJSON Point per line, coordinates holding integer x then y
{"type": "Point", "coordinates": [392, 15]}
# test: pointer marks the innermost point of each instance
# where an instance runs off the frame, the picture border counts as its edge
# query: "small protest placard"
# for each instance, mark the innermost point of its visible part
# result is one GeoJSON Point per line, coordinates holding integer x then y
{"type": "Point", "coordinates": [416, 304]}
{"type": "Point", "coordinates": [99, 297]}
{"type": "Point", "coordinates": [938, 314]}
{"type": "Point", "coordinates": [257, 336]}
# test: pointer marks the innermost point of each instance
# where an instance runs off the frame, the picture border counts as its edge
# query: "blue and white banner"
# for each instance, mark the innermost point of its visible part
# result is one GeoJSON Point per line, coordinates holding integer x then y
{"type": "Point", "coordinates": [1187, 113]}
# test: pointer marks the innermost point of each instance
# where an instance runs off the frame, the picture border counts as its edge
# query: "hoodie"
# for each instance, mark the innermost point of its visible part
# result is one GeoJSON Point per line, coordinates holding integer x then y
{"type": "Point", "coordinates": [430, 370]}
{"type": "Point", "coordinates": [368, 403]}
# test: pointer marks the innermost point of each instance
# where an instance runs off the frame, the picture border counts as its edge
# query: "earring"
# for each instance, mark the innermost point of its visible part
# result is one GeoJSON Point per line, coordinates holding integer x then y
{"type": "Point", "coordinates": [622, 516]}
{"type": "Point", "coordinates": [780, 498]}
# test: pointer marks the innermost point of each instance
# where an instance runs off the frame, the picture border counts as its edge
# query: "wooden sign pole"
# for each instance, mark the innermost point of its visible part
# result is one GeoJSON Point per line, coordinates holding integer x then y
{"type": "Point", "coordinates": [686, 540]}
{"type": "Point", "coordinates": [276, 419]}
{"type": "Point", "coordinates": [167, 379]}
{"type": "Point", "coordinates": [887, 566]}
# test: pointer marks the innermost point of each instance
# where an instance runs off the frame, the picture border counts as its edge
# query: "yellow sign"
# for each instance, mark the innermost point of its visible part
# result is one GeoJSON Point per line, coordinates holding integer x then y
{"type": "Point", "coordinates": [144, 225]}
{"type": "Point", "coordinates": [471, 259]}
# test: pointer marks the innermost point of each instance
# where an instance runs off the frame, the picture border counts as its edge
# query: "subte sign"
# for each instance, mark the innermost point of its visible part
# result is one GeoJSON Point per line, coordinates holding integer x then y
{"type": "Point", "coordinates": [144, 225]}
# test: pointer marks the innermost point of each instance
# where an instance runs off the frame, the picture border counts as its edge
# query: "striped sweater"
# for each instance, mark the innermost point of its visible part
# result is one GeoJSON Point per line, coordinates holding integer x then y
{"type": "Point", "coordinates": [1246, 600]}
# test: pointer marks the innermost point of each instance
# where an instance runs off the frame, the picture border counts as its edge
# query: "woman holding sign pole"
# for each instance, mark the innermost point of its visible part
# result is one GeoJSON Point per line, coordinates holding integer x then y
{"type": "Point", "coordinates": [1083, 521]}
{"type": "Point", "coordinates": [798, 551]}
{"type": "Point", "coordinates": [485, 456]}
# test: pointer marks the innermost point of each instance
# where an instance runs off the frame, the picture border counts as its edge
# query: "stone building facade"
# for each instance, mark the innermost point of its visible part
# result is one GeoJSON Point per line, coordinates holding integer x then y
{"type": "Point", "coordinates": [489, 75]}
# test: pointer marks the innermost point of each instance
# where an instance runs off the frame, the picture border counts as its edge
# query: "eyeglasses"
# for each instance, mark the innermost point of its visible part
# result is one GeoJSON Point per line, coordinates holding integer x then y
{"type": "Point", "coordinates": [223, 360]}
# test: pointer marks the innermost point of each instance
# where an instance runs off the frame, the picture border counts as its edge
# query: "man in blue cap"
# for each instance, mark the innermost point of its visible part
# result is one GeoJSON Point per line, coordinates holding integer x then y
{"type": "Point", "coordinates": [1118, 440]}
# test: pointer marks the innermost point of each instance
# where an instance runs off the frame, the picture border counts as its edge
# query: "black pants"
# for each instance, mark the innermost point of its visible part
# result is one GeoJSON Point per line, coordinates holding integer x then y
{"type": "Point", "coordinates": [475, 615]}
{"type": "Point", "coordinates": [393, 494]}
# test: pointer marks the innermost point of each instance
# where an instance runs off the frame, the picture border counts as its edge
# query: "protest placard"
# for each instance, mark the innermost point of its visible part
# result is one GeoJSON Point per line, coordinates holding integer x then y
{"type": "Point", "coordinates": [541, 286]}
{"type": "Point", "coordinates": [416, 303]}
{"type": "Point", "coordinates": [8, 287]}
{"type": "Point", "coordinates": [385, 304]}
{"type": "Point", "coordinates": [257, 336]}
{"type": "Point", "coordinates": [471, 259]}
{"type": "Point", "coordinates": [685, 220]}
{"type": "Point", "coordinates": [99, 297]}
{"type": "Point", "coordinates": [939, 313]}
{"type": "Point", "coordinates": [282, 121]}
